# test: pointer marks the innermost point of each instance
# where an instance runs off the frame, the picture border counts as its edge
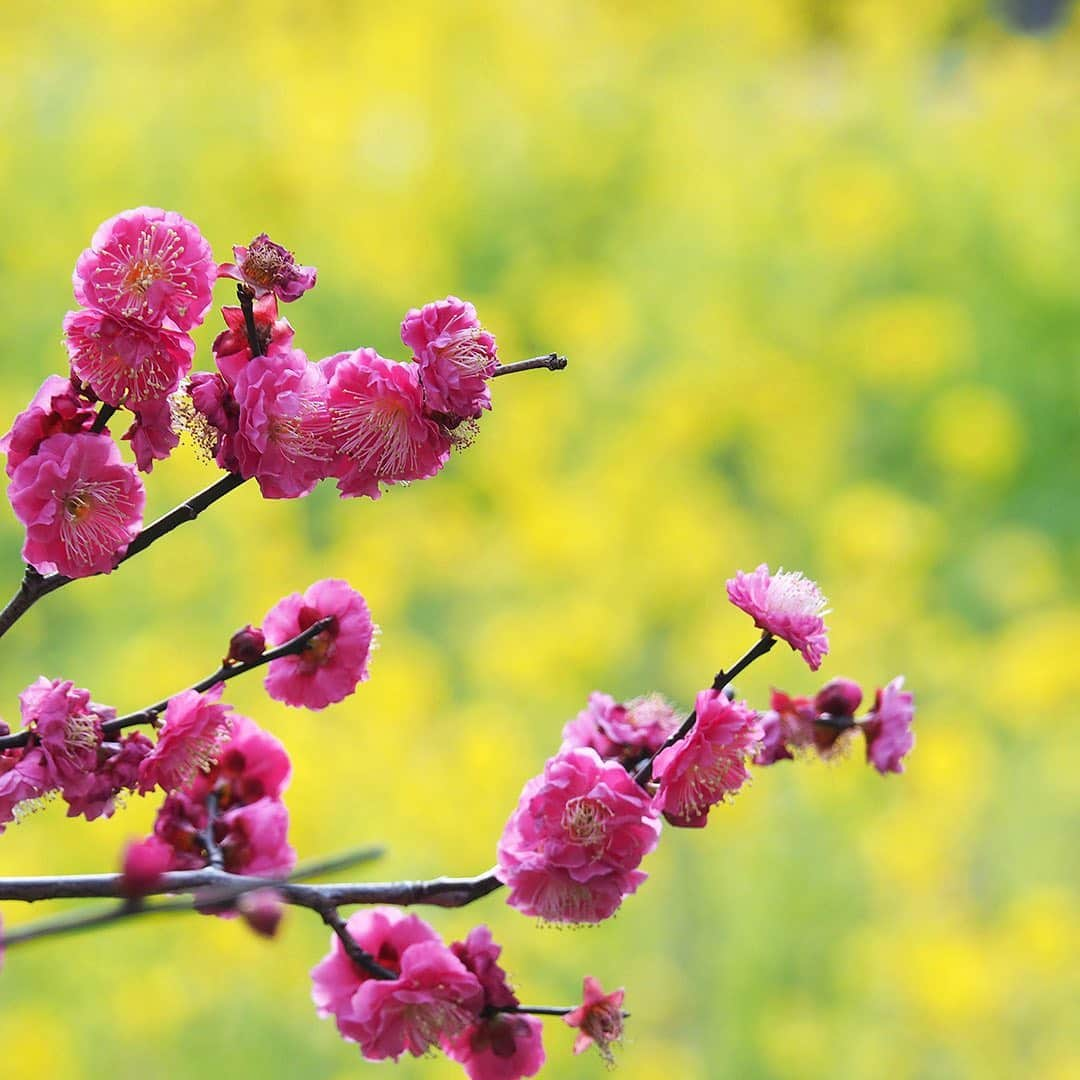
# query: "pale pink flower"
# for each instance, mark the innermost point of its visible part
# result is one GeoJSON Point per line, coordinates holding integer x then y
{"type": "Point", "coordinates": [147, 264]}
{"type": "Point", "coordinates": [570, 851]}
{"type": "Point", "coordinates": [385, 933]}
{"type": "Point", "coordinates": [378, 424]}
{"type": "Point", "coordinates": [231, 347]}
{"type": "Point", "coordinates": [282, 429]}
{"type": "Point", "coordinates": [196, 725]}
{"type": "Point", "coordinates": [456, 356]}
{"type": "Point", "coordinates": [627, 733]}
{"type": "Point", "coordinates": [267, 268]}
{"type": "Point", "coordinates": [709, 764]}
{"type": "Point", "coordinates": [67, 728]}
{"type": "Point", "coordinates": [117, 772]}
{"type": "Point", "coordinates": [786, 605]}
{"type": "Point", "coordinates": [496, 1046]}
{"type": "Point", "coordinates": [889, 738]}
{"type": "Point", "coordinates": [153, 435]}
{"type": "Point", "coordinates": [124, 362]}
{"type": "Point", "coordinates": [145, 861]}
{"type": "Point", "coordinates": [599, 1019]}
{"type": "Point", "coordinates": [56, 408]}
{"type": "Point", "coordinates": [81, 505]}
{"type": "Point", "coordinates": [334, 662]}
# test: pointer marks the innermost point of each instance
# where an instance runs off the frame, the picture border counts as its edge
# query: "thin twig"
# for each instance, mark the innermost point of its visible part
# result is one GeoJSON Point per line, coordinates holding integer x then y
{"type": "Point", "coordinates": [550, 361]}
{"type": "Point", "coordinates": [223, 674]}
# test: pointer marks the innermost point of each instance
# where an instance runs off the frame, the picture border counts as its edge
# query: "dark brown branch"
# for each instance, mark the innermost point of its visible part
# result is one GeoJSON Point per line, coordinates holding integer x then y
{"type": "Point", "coordinates": [552, 361]}
{"type": "Point", "coordinates": [101, 421]}
{"type": "Point", "coordinates": [360, 957]}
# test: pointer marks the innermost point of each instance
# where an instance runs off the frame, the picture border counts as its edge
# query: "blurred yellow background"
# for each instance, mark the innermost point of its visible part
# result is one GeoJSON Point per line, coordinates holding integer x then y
{"type": "Point", "coordinates": [814, 265]}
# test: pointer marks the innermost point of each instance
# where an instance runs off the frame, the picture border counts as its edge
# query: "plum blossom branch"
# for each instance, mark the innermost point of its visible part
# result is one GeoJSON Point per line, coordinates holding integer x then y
{"type": "Point", "coordinates": [551, 361]}
{"type": "Point", "coordinates": [213, 886]}
{"type": "Point", "coordinates": [34, 585]}
{"type": "Point", "coordinates": [223, 674]}
{"type": "Point", "coordinates": [643, 773]}
{"type": "Point", "coordinates": [77, 921]}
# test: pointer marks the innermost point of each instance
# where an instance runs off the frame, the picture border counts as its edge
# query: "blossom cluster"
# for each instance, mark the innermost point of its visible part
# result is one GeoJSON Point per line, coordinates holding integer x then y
{"type": "Point", "coordinates": [355, 416]}
{"type": "Point", "coordinates": [430, 995]}
{"type": "Point", "coordinates": [74, 748]}
{"type": "Point", "coordinates": [266, 412]}
{"type": "Point", "coordinates": [571, 850]}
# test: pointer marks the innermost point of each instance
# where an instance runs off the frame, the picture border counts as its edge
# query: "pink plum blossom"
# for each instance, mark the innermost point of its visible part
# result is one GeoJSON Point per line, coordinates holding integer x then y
{"type": "Point", "coordinates": [251, 822]}
{"type": "Point", "coordinates": [56, 408]}
{"type": "Point", "coordinates": [334, 662]}
{"type": "Point", "coordinates": [599, 1019]}
{"type": "Point", "coordinates": [456, 356]}
{"type": "Point", "coordinates": [254, 838]}
{"type": "Point", "coordinates": [81, 505]}
{"type": "Point", "coordinates": [496, 1046]}
{"type": "Point", "coordinates": [196, 725]}
{"type": "Point", "coordinates": [266, 268]}
{"type": "Point", "coordinates": [215, 418]}
{"type": "Point", "coordinates": [124, 362]}
{"type": "Point", "coordinates": [25, 779]}
{"type": "Point", "coordinates": [153, 436]}
{"type": "Point", "coordinates": [66, 725]}
{"type": "Point", "coordinates": [231, 347]}
{"type": "Point", "coordinates": [282, 429]}
{"type": "Point", "coordinates": [570, 851]}
{"type": "Point", "coordinates": [627, 733]}
{"type": "Point", "coordinates": [150, 265]}
{"type": "Point", "coordinates": [432, 996]}
{"type": "Point", "coordinates": [117, 772]}
{"type": "Point", "coordinates": [435, 997]}
{"type": "Point", "coordinates": [887, 728]}
{"type": "Point", "coordinates": [378, 424]}
{"type": "Point", "coordinates": [709, 764]}
{"type": "Point", "coordinates": [252, 764]}
{"type": "Point", "coordinates": [786, 605]}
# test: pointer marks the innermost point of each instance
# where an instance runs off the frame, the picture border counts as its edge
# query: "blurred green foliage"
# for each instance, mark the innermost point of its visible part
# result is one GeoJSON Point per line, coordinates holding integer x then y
{"type": "Point", "coordinates": [814, 265]}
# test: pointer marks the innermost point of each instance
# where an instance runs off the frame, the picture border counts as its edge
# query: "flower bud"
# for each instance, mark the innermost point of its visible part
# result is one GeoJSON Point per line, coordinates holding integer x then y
{"type": "Point", "coordinates": [839, 698]}
{"type": "Point", "coordinates": [144, 863]}
{"type": "Point", "coordinates": [262, 910]}
{"type": "Point", "coordinates": [246, 646]}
